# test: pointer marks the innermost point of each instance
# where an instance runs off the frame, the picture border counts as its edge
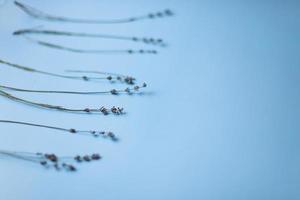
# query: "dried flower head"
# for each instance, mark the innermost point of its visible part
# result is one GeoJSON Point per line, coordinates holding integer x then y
{"type": "Point", "coordinates": [90, 51]}
{"type": "Point", "coordinates": [54, 107]}
{"type": "Point", "coordinates": [100, 75]}
{"type": "Point", "coordinates": [71, 130]}
{"type": "Point", "coordinates": [38, 14]}
{"type": "Point", "coordinates": [39, 31]}
{"type": "Point", "coordinates": [51, 160]}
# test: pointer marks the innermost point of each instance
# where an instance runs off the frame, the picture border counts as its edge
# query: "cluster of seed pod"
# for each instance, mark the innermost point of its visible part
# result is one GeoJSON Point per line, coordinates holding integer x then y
{"type": "Point", "coordinates": [90, 51]}
{"type": "Point", "coordinates": [41, 15]}
{"type": "Point", "coordinates": [103, 110]}
{"type": "Point", "coordinates": [152, 41]}
{"type": "Point", "coordinates": [87, 158]}
{"type": "Point", "coordinates": [126, 79]}
{"type": "Point", "coordinates": [105, 134]}
{"type": "Point", "coordinates": [52, 160]}
{"type": "Point", "coordinates": [33, 12]}
{"type": "Point", "coordinates": [100, 75]}
{"type": "Point", "coordinates": [165, 13]}
{"type": "Point", "coordinates": [145, 40]}
{"type": "Point", "coordinates": [128, 90]}
{"type": "Point", "coordinates": [115, 110]}
{"type": "Point", "coordinates": [141, 51]}
{"type": "Point", "coordinates": [58, 166]}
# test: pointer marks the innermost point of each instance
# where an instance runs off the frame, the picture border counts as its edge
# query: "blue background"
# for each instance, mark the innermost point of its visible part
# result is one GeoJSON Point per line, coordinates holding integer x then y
{"type": "Point", "coordinates": [221, 120]}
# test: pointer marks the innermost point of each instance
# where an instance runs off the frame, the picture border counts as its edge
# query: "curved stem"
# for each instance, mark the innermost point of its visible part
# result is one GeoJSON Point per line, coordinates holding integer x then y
{"type": "Point", "coordinates": [109, 76]}
{"type": "Point", "coordinates": [145, 40]}
{"type": "Point", "coordinates": [33, 12]}
{"type": "Point", "coordinates": [102, 110]}
{"type": "Point", "coordinates": [106, 134]}
{"type": "Point", "coordinates": [92, 51]}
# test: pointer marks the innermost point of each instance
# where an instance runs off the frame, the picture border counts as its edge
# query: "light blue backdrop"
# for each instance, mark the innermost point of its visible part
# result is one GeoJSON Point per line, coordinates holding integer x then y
{"type": "Point", "coordinates": [221, 122]}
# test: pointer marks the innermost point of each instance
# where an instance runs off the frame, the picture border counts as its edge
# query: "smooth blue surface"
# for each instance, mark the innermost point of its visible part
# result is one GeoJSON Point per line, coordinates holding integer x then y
{"type": "Point", "coordinates": [222, 121]}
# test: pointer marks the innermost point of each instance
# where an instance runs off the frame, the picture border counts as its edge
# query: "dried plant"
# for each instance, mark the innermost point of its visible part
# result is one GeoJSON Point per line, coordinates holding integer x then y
{"type": "Point", "coordinates": [128, 90]}
{"type": "Point", "coordinates": [35, 13]}
{"type": "Point", "coordinates": [50, 160]}
{"type": "Point", "coordinates": [92, 51]}
{"type": "Point", "coordinates": [104, 134]}
{"type": "Point", "coordinates": [145, 40]}
{"type": "Point", "coordinates": [112, 77]}
{"type": "Point", "coordinates": [67, 163]}
{"type": "Point", "coordinates": [102, 110]}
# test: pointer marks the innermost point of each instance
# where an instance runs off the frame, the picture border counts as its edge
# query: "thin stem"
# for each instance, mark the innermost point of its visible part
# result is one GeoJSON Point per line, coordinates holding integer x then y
{"type": "Point", "coordinates": [144, 40]}
{"type": "Point", "coordinates": [108, 76]}
{"type": "Point", "coordinates": [113, 91]}
{"type": "Point", "coordinates": [92, 51]}
{"type": "Point", "coordinates": [103, 110]}
{"type": "Point", "coordinates": [35, 13]}
{"type": "Point", "coordinates": [15, 155]}
{"type": "Point", "coordinates": [50, 160]}
{"type": "Point", "coordinates": [94, 72]}
{"type": "Point", "coordinates": [104, 134]}
{"type": "Point", "coordinates": [33, 124]}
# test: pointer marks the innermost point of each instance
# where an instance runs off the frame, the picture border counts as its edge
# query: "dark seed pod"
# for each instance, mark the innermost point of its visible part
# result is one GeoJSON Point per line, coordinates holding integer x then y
{"type": "Point", "coordinates": [78, 158]}
{"type": "Point", "coordinates": [87, 110]}
{"type": "Point", "coordinates": [44, 163]}
{"type": "Point", "coordinates": [159, 14]}
{"type": "Point", "coordinates": [114, 110]}
{"type": "Point", "coordinates": [96, 157]}
{"type": "Point", "coordinates": [56, 166]}
{"type": "Point", "coordinates": [104, 110]}
{"type": "Point", "coordinates": [127, 90]}
{"type": "Point", "coordinates": [112, 136]}
{"type": "Point", "coordinates": [120, 110]}
{"type": "Point", "coordinates": [71, 168]}
{"type": "Point", "coordinates": [56, 163]}
{"type": "Point", "coordinates": [86, 158]}
{"type": "Point", "coordinates": [72, 130]}
{"type": "Point", "coordinates": [151, 15]}
{"type": "Point", "coordinates": [51, 157]}
{"type": "Point", "coordinates": [169, 12]}
{"type": "Point", "coordinates": [114, 92]}
{"type": "Point", "coordinates": [85, 78]}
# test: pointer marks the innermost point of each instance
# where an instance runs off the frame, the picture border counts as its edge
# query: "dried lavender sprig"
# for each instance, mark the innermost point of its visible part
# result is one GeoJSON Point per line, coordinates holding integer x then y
{"type": "Point", "coordinates": [108, 76]}
{"type": "Point", "coordinates": [50, 160]}
{"type": "Point", "coordinates": [128, 90]}
{"type": "Point", "coordinates": [114, 91]}
{"type": "Point", "coordinates": [92, 51]}
{"type": "Point", "coordinates": [104, 134]}
{"type": "Point", "coordinates": [145, 40]}
{"type": "Point", "coordinates": [102, 110]}
{"type": "Point", "coordinates": [35, 13]}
